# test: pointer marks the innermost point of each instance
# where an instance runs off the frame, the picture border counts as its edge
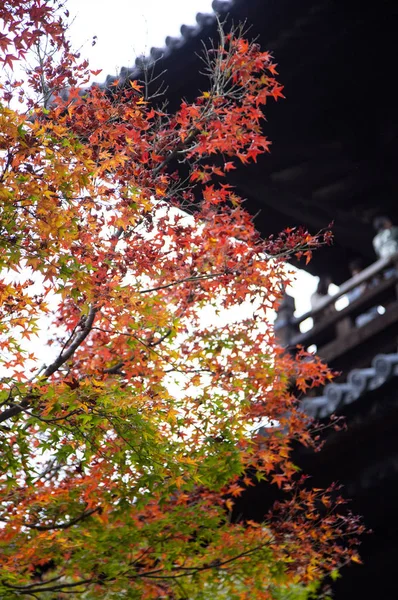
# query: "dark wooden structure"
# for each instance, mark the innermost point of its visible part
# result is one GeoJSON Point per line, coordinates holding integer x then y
{"type": "Point", "coordinates": [333, 155]}
{"type": "Point", "coordinates": [364, 456]}
{"type": "Point", "coordinates": [338, 338]}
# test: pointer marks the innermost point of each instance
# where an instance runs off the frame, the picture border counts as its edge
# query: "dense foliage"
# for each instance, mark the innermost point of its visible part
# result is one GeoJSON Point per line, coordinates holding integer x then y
{"type": "Point", "coordinates": [121, 456]}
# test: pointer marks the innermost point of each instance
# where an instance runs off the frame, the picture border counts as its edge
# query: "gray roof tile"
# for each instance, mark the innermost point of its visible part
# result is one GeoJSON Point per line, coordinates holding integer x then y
{"type": "Point", "coordinates": [359, 382]}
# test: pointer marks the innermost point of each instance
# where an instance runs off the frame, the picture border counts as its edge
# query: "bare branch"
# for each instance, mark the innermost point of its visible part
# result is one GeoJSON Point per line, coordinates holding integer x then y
{"type": "Point", "coordinates": [173, 283]}
{"type": "Point", "coordinates": [64, 525]}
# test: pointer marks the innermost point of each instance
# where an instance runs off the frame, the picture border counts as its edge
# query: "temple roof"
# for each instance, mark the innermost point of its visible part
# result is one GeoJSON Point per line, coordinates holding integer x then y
{"type": "Point", "coordinates": [359, 382]}
{"type": "Point", "coordinates": [172, 45]}
{"type": "Point", "coordinates": [334, 138]}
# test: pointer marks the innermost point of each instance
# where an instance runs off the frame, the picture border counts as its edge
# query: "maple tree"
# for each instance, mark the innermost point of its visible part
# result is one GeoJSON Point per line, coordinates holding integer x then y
{"type": "Point", "coordinates": [121, 458]}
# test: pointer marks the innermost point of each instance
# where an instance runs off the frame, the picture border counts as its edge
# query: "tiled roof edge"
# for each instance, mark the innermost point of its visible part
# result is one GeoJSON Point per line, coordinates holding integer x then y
{"type": "Point", "coordinates": [359, 382]}
{"type": "Point", "coordinates": [203, 20]}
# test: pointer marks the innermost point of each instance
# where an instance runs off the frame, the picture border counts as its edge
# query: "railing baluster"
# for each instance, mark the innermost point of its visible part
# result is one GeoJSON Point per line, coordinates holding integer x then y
{"type": "Point", "coordinates": [331, 327]}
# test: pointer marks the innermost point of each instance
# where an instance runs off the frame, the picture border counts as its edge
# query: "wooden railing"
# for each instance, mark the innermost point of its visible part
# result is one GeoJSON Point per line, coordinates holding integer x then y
{"type": "Point", "coordinates": [338, 337]}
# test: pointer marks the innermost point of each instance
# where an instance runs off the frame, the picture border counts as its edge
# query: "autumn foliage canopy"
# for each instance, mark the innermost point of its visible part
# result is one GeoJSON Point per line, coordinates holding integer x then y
{"type": "Point", "coordinates": [134, 268]}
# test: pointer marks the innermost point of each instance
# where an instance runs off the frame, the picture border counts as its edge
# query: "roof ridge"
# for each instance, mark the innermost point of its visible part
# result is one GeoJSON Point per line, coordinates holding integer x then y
{"type": "Point", "coordinates": [203, 20]}
{"type": "Point", "coordinates": [358, 382]}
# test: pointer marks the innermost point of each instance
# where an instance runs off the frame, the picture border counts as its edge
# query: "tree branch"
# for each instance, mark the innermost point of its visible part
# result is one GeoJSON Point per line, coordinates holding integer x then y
{"type": "Point", "coordinates": [51, 369]}
{"type": "Point", "coordinates": [37, 587]}
{"type": "Point", "coordinates": [179, 281]}
{"type": "Point", "coordinates": [63, 525]}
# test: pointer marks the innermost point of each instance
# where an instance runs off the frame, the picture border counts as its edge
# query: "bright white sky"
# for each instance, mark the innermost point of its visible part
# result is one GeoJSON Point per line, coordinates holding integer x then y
{"type": "Point", "coordinates": [126, 29]}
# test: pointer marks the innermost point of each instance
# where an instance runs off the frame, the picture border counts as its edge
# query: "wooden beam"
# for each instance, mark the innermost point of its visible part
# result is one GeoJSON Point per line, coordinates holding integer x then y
{"type": "Point", "coordinates": [360, 180]}
{"type": "Point", "coordinates": [364, 276]}
{"type": "Point", "coordinates": [385, 327]}
{"type": "Point", "coordinates": [299, 210]}
{"type": "Point", "coordinates": [314, 172]}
